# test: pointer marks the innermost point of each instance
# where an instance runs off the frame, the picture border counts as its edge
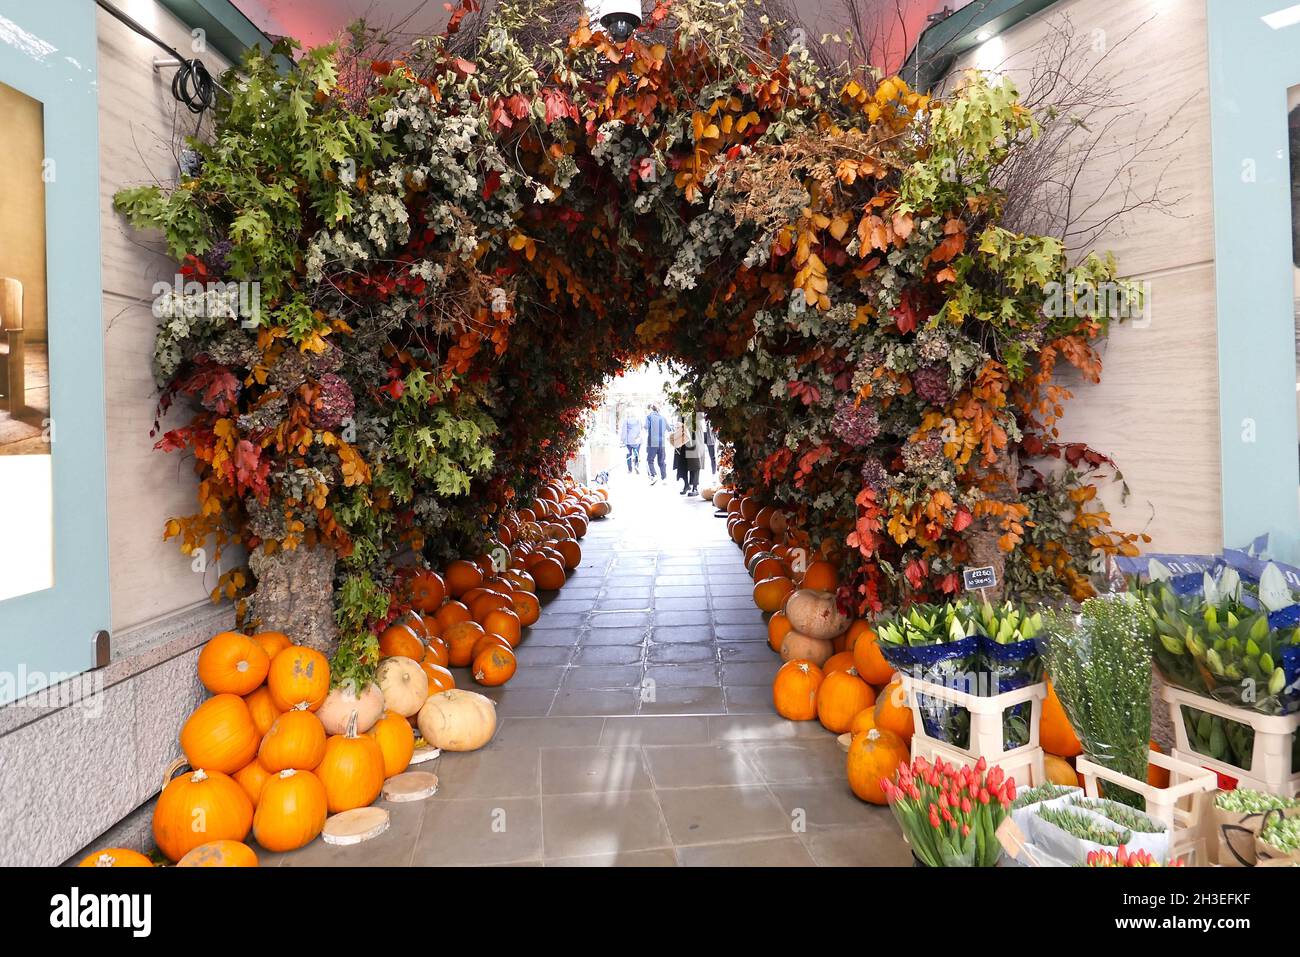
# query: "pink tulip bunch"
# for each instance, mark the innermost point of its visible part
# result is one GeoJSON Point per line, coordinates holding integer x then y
{"type": "Point", "coordinates": [950, 814]}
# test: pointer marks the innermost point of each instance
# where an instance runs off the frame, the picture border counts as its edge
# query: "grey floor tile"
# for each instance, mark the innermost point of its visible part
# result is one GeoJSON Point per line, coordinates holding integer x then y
{"type": "Point", "coordinates": [659, 857]}
{"type": "Point", "coordinates": [693, 616]}
{"type": "Point", "coordinates": [609, 654]}
{"type": "Point", "coordinates": [565, 637]}
{"type": "Point", "coordinates": [761, 727]}
{"type": "Point", "coordinates": [680, 604]}
{"type": "Point", "coordinates": [795, 762]}
{"type": "Point", "coordinates": [752, 673]}
{"type": "Point", "coordinates": [641, 592]}
{"type": "Point", "coordinates": [754, 631]}
{"type": "Point", "coordinates": [700, 765]}
{"type": "Point", "coordinates": [824, 804]}
{"type": "Point", "coordinates": [622, 604]}
{"type": "Point", "coordinates": [684, 675]}
{"type": "Point", "coordinates": [587, 770]}
{"type": "Point", "coordinates": [488, 773]}
{"type": "Point", "coordinates": [732, 603]}
{"type": "Point", "coordinates": [679, 591]}
{"type": "Point", "coordinates": [527, 733]}
{"type": "Point", "coordinates": [678, 633]}
{"type": "Point", "coordinates": [742, 700]}
{"type": "Point", "coordinates": [603, 677]}
{"type": "Point", "coordinates": [737, 616]}
{"type": "Point", "coordinates": [675, 700]}
{"type": "Point", "coordinates": [749, 651]}
{"type": "Point", "coordinates": [769, 852]}
{"type": "Point", "coordinates": [517, 703]}
{"type": "Point", "coordinates": [682, 652]}
{"type": "Point", "coordinates": [532, 655]}
{"type": "Point", "coordinates": [596, 703]}
{"type": "Point", "coordinates": [581, 825]}
{"type": "Point", "coordinates": [539, 678]}
{"type": "Point", "coordinates": [615, 636]}
{"type": "Point", "coordinates": [655, 729]}
{"type": "Point", "coordinates": [671, 577]}
{"type": "Point", "coordinates": [881, 845]}
{"type": "Point", "coordinates": [708, 815]}
{"type": "Point", "coordinates": [479, 831]}
{"type": "Point", "coordinates": [552, 619]}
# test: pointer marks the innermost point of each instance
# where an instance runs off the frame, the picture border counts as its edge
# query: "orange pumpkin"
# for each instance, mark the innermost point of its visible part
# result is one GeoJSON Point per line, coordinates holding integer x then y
{"type": "Point", "coordinates": [504, 622]}
{"type": "Point", "coordinates": [571, 551]}
{"type": "Point", "coordinates": [494, 666]}
{"type": "Point", "coordinates": [892, 712]}
{"type": "Point", "coordinates": [400, 640]}
{"type": "Point", "coordinates": [1059, 771]}
{"type": "Point", "coordinates": [352, 771]}
{"type": "Point", "coordinates": [231, 663]}
{"type": "Point", "coordinates": [840, 661]}
{"type": "Point", "coordinates": [440, 678]}
{"type": "Point", "coordinates": [770, 568]}
{"type": "Point", "coordinates": [296, 740]}
{"type": "Point", "coordinates": [778, 626]}
{"type": "Point", "coordinates": [874, 755]}
{"type": "Point", "coordinates": [487, 602]}
{"type": "Point", "coordinates": [770, 593]}
{"type": "Point", "coordinates": [521, 580]}
{"type": "Point", "coordinates": [451, 613]}
{"type": "Point", "coordinates": [427, 590]}
{"type": "Point", "coordinates": [262, 709]}
{"type": "Point", "coordinates": [436, 652]}
{"type": "Point", "coordinates": [871, 664]}
{"type": "Point", "coordinates": [843, 694]}
{"type": "Point", "coordinates": [461, 638]}
{"type": "Point", "coordinates": [396, 742]}
{"type": "Point", "coordinates": [424, 627]}
{"type": "Point", "coordinates": [1157, 776]}
{"type": "Point", "coordinates": [864, 720]}
{"type": "Point", "coordinates": [199, 807]}
{"type": "Point", "coordinates": [299, 674]}
{"type": "Point", "coordinates": [272, 642]}
{"type": "Point", "coordinates": [115, 857]}
{"type": "Point", "coordinates": [794, 690]}
{"type": "Point", "coordinates": [220, 854]}
{"type": "Point", "coordinates": [488, 640]}
{"type": "Point", "coordinates": [548, 573]}
{"type": "Point", "coordinates": [461, 576]}
{"type": "Point", "coordinates": [526, 607]}
{"type": "Point", "coordinates": [292, 810]}
{"type": "Point", "coordinates": [820, 576]}
{"type": "Point", "coordinates": [220, 735]}
{"type": "Point", "coordinates": [1055, 733]}
{"type": "Point", "coordinates": [252, 777]}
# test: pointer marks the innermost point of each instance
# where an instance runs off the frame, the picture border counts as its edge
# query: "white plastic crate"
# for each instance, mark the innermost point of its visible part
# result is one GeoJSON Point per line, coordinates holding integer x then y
{"type": "Point", "coordinates": [1270, 762]}
{"type": "Point", "coordinates": [1023, 764]}
{"type": "Point", "coordinates": [1180, 805]}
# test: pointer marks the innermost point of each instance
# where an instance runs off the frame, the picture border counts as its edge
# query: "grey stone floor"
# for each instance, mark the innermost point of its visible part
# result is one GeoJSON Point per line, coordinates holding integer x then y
{"type": "Point", "coordinates": [639, 729]}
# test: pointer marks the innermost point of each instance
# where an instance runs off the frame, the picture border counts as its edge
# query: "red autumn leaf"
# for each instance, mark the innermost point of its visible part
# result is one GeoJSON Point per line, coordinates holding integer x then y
{"type": "Point", "coordinates": [491, 183]}
{"type": "Point", "coordinates": [962, 519]}
{"type": "Point", "coordinates": [915, 572]}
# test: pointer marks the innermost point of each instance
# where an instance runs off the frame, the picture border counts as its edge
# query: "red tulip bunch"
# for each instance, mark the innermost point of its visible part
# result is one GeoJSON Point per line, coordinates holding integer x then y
{"type": "Point", "coordinates": [950, 814]}
{"type": "Point", "coordinates": [1123, 857]}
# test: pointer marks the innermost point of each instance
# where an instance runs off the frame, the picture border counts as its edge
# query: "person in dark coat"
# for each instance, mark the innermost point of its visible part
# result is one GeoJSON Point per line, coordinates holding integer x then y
{"type": "Point", "coordinates": [656, 433]}
{"type": "Point", "coordinates": [686, 460]}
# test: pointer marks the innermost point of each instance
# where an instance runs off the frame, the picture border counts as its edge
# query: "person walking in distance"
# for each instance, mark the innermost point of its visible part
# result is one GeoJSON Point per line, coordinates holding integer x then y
{"type": "Point", "coordinates": [656, 434]}
{"type": "Point", "coordinates": [629, 437]}
{"type": "Point", "coordinates": [710, 443]}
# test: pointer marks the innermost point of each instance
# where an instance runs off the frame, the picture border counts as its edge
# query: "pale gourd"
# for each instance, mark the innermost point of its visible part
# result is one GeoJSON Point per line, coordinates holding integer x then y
{"type": "Point", "coordinates": [458, 720]}
{"type": "Point", "coordinates": [798, 646]}
{"type": "Point", "coordinates": [815, 614]}
{"type": "Point", "coordinates": [343, 702]}
{"type": "Point", "coordinates": [404, 684]}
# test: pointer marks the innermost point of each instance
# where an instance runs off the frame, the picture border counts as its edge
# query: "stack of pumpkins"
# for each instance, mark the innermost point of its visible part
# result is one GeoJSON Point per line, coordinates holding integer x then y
{"type": "Point", "coordinates": [275, 750]}
{"type": "Point", "coordinates": [833, 670]}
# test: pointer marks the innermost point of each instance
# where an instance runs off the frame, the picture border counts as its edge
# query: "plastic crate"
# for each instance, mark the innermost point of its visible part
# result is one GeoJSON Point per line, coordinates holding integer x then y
{"type": "Point", "coordinates": [1271, 758]}
{"type": "Point", "coordinates": [1180, 805]}
{"type": "Point", "coordinates": [1024, 764]}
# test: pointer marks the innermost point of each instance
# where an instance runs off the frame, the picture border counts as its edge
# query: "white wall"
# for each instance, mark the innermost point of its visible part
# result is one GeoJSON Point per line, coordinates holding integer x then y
{"type": "Point", "coordinates": [1156, 409]}
{"type": "Point", "coordinates": [140, 127]}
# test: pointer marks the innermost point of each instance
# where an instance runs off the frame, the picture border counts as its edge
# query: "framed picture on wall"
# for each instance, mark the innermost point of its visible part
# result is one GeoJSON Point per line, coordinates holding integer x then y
{"type": "Point", "coordinates": [26, 516]}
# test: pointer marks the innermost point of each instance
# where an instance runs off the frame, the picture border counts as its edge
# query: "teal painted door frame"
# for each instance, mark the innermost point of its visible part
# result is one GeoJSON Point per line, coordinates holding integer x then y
{"type": "Point", "coordinates": [48, 52]}
{"type": "Point", "coordinates": [1251, 67]}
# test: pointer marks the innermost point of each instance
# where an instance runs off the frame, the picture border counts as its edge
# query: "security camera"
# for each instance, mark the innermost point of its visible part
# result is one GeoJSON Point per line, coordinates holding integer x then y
{"type": "Point", "coordinates": [618, 17]}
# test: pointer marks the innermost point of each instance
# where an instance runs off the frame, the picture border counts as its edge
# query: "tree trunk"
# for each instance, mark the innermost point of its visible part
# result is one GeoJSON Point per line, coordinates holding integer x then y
{"type": "Point", "coordinates": [295, 595]}
{"type": "Point", "coordinates": [1000, 477]}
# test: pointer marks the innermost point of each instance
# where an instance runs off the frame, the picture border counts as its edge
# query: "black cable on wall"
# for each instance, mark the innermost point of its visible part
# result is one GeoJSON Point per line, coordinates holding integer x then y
{"type": "Point", "coordinates": [192, 84]}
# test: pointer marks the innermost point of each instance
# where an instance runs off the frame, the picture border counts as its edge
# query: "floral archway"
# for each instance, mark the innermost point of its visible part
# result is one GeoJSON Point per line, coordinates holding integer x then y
{"type": "Point", "coordinates": [455, 250]}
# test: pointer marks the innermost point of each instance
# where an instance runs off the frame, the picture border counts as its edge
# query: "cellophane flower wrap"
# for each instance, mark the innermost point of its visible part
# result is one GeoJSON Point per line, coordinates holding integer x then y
{"type": "Point", "coordinates": [950, 814]}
